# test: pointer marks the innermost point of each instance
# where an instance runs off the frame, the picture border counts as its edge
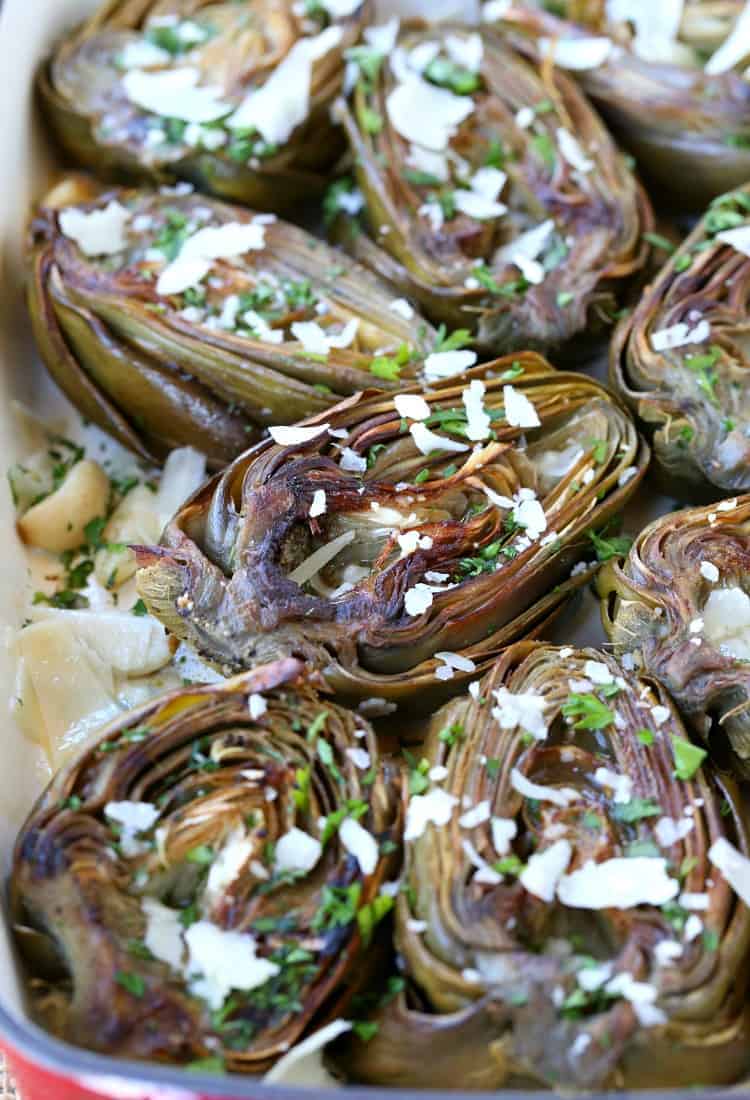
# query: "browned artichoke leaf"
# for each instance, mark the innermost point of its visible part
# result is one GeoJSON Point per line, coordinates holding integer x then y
{"type": "Point", "coordinates": [203, 880]}
{"type": "Point", "coordinates": [680, 359]}
{"type": "Point", "coordinates": [494, 194]}
{"type": "Point", "coordinates": [674, 92]}
{"type": "Point", "coordinates": [170, 318]}
{"type": "Point", "coordinates": [194, 91]}
{"type": "Point", "coordinates": [397, 542]}
{"type": "Point", "coordinates": [565, 921]}
{"type": "Point", "coordinates": [679, 604]}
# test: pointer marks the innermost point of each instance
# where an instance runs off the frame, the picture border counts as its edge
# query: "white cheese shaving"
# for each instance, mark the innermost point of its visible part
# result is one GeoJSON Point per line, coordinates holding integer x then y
{"type": "Point", "coordinates": [411, 406]}
{"type": "Point", "coordinates": [359, 843]}
{"type": "Point", "coordinates": [451, 662]}
{"type": "Point", "coordinates": [669, 831]}
{"type": "Point", "coordinates": [360, 758]}
{"type": "Point", "coordinates": [618, 883]}
{"type": "Point", "coordinates": [709, 571]}
{"type": "Point", "coordinates": [558, 796]}
{"type": "Point", "coordinates": [220, 961]}
{"type": "Point", "coordinates": [726, 621]}
{"type": "Point", "coordinates": [524, 709]}
{"type": "Point", "coordinates": [175, 93]}
{"type": "Point", "coordinates": [680, 336]}
{"type": "Point", "coordinates": [318, 506]}
{"type": "Point", "coordinates": [317, 341]}
{"type": "Point", "coordinates": [666, 951]}
{"type": "Point", "coordinates": [641, 995]}
{"type": "Point", "coordinates": [503, 830]}
{"type": "Point", "coordinates": [524, 250]}
{"type": "Point", "coordinates": [418, 599]}
{"type": "Point", "coordinates": [296, 850]}
{"type": "Point", "coordinates": [477, 418]}
{"type": "Point", "coordinates": [163, 935]}
{"type": "Point", "coordinates": [477, 815]}
{"type": "Point", "coordinates": [277, 108]}
{"type": "Point", "coordinates": [621, 785]}
{"type": "Point", "coordinates": [446, 364]}
{"type": "Point", "coordinates": [425, 114]}
{"type": "Point", "coordinates": [529, 513]}
{"type": "Point", "coordinates": [660, 714]}
{"type": "Point", "coordinates": [402, 308]}
{"type": "Point", "coordinates": [434, 808]}
{"type": "Point", "coordinates": [735, 47]}
{"type": "Point", "coordinates": [133, 818]}
{"type": "Point", "coordinates": [733, 865]}
{"type": "Point", "coordinates": [290, 435]}
{"type": "Point", "coordinates": [227, 864]}
{"type": "Point", "coordinates": [427, 441]}
{"type": "Point", "coordinates": [598, 672]}
{"type": "Point", "coordinates": [738, 238]}
{"type": "Point", "coordinates": [577, 54]}
{"type": "Point", "coordinates": [96, 232]}
{"type": "Point", "coordinates": [198, 253]}
{"type": "Point", "coordinates": [351, 462]}
{"type": "Point", "coordinates": [571, 151]}
{"type": "Point", "coordinates": [465, 50]}
{"type": "Point", "coordinates": [519, 411]}
{"type": "Point", "coordinates": [544, 870]}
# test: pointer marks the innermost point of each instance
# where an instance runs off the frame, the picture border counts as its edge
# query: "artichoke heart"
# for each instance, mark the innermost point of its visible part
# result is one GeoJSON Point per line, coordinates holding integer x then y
{"type": "Point", "coordinates": [168, 318]}
{"type": "Point", "coordinates": [575, 881]}
{"type": "Point", "coordinates": [493, 193]}
{"type": "Point", "coordinates": [681, 358]}
{"type": "Point", "coordinates": [231, 95]}
{"type": "Point", "coordinates": [203, 880]}
{"type": "Point", "coordinates": [397, 542]}
{"type": "Point", "coordinates": [669, 77]}
{"type": "Point", "coordinates": [680, 604]}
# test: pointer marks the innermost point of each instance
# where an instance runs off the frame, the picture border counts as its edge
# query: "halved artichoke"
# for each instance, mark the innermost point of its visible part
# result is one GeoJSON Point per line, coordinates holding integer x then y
{"type": "Point", "coordinates": [169, 318]}
{"type": "Point", "coordinates": [494, 193]}
{"type": "Point", "coordinates": [203, 880]}
{"type": "Point", "coordinates": [679, 602]}
{"type": "Point", "coordinates": [680, 359]}
{"type": "Point", "coordinates": [565, 920]}
{"type": "Point", "coordinates": [398, 542]}
{"type": "Point", "coordinates": [669, 78]}
{"type": "Point", "coordinates": [231, 95]}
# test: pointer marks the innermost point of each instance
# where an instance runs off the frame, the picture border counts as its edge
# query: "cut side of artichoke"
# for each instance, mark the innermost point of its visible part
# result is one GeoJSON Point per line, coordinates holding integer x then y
{"type": "Point", "coordinates": [670, 78]}
{"type": "Point", "coordinates": [230, 95]}
{"type": "Point", "coordinates": [566, 921]}
{"type": "Point", "coordinates": [680, 359]}
{"type": "Point", "coordinates": [397, 542]}
{"type": "Point", "coordinates": [493, 193]}
{"type": "Point", "coordinates": [203, 882]}
{"type": "Point", "coordinates": [172, 319]}
{"type": "Point", "coordinates": [680, 604]}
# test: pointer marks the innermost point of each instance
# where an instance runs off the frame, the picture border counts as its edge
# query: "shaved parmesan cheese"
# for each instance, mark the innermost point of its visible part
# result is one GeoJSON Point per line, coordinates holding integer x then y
{"type": "Point", "coordinates": [524, 709]}
{"type": "Point", "coordinates": [446, 364]}
{"type": "Point", "coordinates": [142, 54]}
{"type": "Point", "coordinates": [577, 54]}
{"type": "Point", "coordinates": [493, 10]}
{"type": "Point", "coordinates": [257, 705]}
{"type": "Point", "coordinates": [477, 419]}
{"type": "Point", "coordinates": [477, 206]}
{"type": "Point", "coordinates": [340, 9]}
{"type": "Point", "coordinates": [221, 960]}
{"type": "Point", "coordinates": [618, 883]}
{"type": "Point", "coordinates": [519, 411]}
{"type": "Point", "coordinates": [383, 37]}
{"type": "Point", "coordinates": [503, 830]}
{"type": "Point", "coordinates": [524, 249]}
{"type": "Point", "coordinates": [411, 406]}
{"type": "Point", "coordinates": [666, 951]}
{"type": "Point", "coordinates": [402, 308]}
{"type": "Point", "coordinates": [726, 621]}
{"type": "Point", "coordinates": [733, 865]}
{"type": "Point", "coordinates": [133, 818]}
{"type": "Point", "coordinates": [465, 50]}
{"type": "Point", "coordinates": [738, 238]}
{"type": "Point", "coordinates": [598, 672]}
{"type": "Point", "coordinates": [709, 571]}
{"type": "Point", "coordinates": [211, 243]}
{"type": "Point", "coordinates": [261, 328]}
{"type": "Point", "coordinates": [318, 506]}
{"type": "Point", "coordinates": [360, 758]}
{"type": "Point", "coordinates": [303, 1065]}
{"type": "Point", "coordinates": [451, 662]}
{"type": "Point", "coordinates": [669, 831]}
{"type": "Point", "coordinates": [558, 796]}
{"type": "Point", "coordinates": [277, 108]}
{"type": "Point", "coordinates": [227, 864]}
{"type": "Point", "coordinates": [529, 513]}
{"type": "Point", "coordinates": [641, 995]}
{"type": "Point", "coordinates": [735, 47]}
{"type": "Point", "coordinates": [427, 441]}
{"type": "Point", "coordinates": [477, 815]}
{"type": "Point", "coordinates": [434, 808]}
{"type": "Point", "coordinates": [317, 341]}
{"type": "Point", "coordinates": [656, 25]}
{"type": "Point", "coordinates": [694, 902]}
{"type": "Point", "coordinates": [163, 935]}
{"type": "Point", "coordinates": [680, 336]}
{"type": "Point", "coordinates": [488, 182]}
{"type": "Point", "coordinates": [175, 93]}
{"type": "Point", "coordinates": [361, 844]}
{"type": "Point", "coordinates": [571, 151]}
{"type": "Point", "coordinates": [544, 870]}
{"type": "Point", "coordinates": [296, 851]}
{"type": "Point", "coordinates": [418, 599]}
{"type": "Point", "coordinates": [96, 232]}
{"type": "Point", "coordinates": [426, 160]}
{"type": "Point", "coordinates": [425, 114]}
{"type": "Point", "coordinates": [351, 462]}
{"type": "Point", "coordinates": [290, 435]}
{"type": "Point", "coordinates": [622, 785]}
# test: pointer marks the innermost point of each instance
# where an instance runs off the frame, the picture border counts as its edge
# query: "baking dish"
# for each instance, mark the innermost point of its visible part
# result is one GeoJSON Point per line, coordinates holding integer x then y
{"type": "Point", "coordinates": [42, 1066]}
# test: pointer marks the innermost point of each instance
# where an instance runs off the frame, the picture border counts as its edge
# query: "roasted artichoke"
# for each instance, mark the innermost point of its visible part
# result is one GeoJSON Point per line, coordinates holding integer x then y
{"type": "Point", "coordinates": [202, 881]}
{"type": "Point", "coordinates": [172, 318]}
{"type": "Point", "coordinates": [574, 911]}
{"type": "Point", "coordinates": [231, 95]}
{"type": "Point", "coordinates": [494, 194]}
{"type": "Point", "coordinates": [681, 361]}
{"type": "Point", "coordinates": [669, 78]}
{"type": "Point", "coordinates": [679, 603]}
{"type": "Point", "coordinates": [397, 543]}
